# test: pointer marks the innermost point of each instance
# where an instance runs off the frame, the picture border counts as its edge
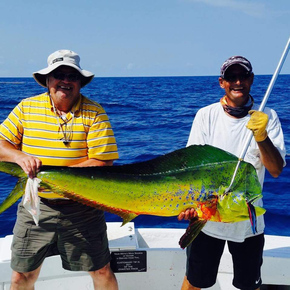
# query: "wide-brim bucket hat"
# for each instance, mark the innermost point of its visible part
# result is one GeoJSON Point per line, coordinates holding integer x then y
{"type": "Point", "coordinates": [59, 58]}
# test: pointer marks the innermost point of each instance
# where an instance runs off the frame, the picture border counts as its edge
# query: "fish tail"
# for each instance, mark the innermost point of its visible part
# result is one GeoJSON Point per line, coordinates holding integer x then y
{"type": "Point", "coordinates": [12, 169]}
{"type": "Point", "coordinates": [194, 228]}
{"type": "Point", "coordinates": [252, 217]}
{"type": "Point", "coordinates": [15, 194]}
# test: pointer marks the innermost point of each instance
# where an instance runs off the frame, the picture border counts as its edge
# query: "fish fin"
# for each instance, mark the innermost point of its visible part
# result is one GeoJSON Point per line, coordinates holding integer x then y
{"type": "Point", "coordinates": [252, 217]}
{"type": "Point", "coordinates": [127, 217]}
{"type": "Point", "coordinates": [192, 156]}
{"type": "Point", "coordinates": [14, 195]}
{"type": "Point", "coordinates": [194, 228]}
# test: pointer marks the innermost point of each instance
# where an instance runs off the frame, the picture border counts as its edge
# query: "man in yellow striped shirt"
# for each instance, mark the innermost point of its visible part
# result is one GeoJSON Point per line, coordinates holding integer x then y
{"type": "Point", "coordinates": [64, 128]}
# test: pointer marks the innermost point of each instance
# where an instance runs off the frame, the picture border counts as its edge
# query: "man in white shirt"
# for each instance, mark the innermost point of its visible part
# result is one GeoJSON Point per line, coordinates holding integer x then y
{"type": "Point", "coordinates": [225, 125]}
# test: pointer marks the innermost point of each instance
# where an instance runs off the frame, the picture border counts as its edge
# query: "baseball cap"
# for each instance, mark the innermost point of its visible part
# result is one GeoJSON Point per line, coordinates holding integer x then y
{"type": "Point", "coordinates": [237, 59]}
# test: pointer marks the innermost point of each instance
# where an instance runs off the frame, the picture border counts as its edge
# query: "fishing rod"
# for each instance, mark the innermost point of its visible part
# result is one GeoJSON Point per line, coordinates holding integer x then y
{"type": "Point", "coordinates": [261, 108]}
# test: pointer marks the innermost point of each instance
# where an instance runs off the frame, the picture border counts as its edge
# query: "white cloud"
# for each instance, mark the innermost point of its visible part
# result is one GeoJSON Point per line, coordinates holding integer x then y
{"type": "Point", "coordinates": [247, 7]}
{"type": "Point", "coordinates": [130, 66]}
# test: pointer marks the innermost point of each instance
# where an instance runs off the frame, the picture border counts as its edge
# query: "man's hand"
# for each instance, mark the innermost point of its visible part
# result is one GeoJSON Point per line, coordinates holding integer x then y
{"type": "Point", "coordinates": [257, 124]}
{"type": "Point", "coordinates": [30, 165]}
{"type": "Point", "coordinates": [188, 214]}
{"type": "Point", "coordinates": [93, 162]}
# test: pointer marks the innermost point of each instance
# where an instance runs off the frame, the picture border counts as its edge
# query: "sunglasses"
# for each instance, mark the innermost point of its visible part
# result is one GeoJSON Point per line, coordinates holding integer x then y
{"type": "Point", "coordinates": [235, 77]}
{"type": "Point", "coordinates": [71, 77]}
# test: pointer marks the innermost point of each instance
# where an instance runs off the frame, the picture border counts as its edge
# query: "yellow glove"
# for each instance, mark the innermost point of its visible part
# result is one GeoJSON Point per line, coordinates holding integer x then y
{"type": "Point", "coordinates": [257, 124]}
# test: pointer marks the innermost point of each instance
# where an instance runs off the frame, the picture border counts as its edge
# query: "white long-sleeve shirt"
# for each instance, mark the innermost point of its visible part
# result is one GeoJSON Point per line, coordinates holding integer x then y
{"type": "Point", "coordinates": [213, 126]}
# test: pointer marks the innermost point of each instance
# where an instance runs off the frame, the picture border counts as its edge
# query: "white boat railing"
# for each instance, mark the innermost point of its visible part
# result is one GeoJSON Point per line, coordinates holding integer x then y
{"type": "Point", "coordinates": [165, 262]}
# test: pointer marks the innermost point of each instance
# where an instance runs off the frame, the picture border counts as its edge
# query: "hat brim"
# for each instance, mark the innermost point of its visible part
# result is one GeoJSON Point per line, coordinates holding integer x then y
{"type": "Point", "coordinates": [40, 76]}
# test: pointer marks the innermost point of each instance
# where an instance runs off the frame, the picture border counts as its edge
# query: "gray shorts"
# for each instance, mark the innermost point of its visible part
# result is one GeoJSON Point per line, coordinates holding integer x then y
{"type": "Point", "coordinates": [74, 231]}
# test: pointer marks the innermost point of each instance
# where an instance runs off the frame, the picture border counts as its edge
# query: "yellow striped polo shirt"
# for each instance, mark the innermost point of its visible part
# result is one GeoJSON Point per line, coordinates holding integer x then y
{"type": "Point", "coordinates": [34, 128]}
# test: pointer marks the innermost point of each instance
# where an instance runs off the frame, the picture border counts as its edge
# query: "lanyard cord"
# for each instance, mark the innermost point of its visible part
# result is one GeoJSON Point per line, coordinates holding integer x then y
{"type": "Point", "coordinates": [67, 134]}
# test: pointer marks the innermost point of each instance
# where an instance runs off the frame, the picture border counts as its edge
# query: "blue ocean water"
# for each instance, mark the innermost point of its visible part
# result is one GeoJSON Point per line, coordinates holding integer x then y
{"type": "Point", "coordinates": [152, 116]}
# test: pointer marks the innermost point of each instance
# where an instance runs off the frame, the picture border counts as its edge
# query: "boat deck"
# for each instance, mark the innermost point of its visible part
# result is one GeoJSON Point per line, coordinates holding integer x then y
{"type": "Point", "coordinates": [164, 262]}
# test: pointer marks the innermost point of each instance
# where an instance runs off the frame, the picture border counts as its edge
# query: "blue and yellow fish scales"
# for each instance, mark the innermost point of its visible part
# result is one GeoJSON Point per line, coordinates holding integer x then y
{"type": "Point", "coordinates": [196, 177]}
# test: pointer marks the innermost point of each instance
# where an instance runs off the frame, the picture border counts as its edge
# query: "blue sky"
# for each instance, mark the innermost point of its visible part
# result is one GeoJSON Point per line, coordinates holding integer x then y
{"type": "Point", "coordinates": [144, 38]}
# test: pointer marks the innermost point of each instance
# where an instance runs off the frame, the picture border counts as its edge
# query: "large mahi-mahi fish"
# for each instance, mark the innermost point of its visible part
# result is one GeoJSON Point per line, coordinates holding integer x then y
{"type": "Point", "coordinates": [195, 177]}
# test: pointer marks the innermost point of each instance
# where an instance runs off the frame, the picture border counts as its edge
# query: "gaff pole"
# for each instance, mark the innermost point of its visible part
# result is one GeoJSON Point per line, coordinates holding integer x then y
{"type": "Point", "coordinates": [261, 108]}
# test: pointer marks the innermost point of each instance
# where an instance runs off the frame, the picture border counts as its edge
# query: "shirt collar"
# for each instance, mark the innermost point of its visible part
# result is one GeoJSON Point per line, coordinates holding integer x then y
{"type": "Point", "coordinates": [77, 108]}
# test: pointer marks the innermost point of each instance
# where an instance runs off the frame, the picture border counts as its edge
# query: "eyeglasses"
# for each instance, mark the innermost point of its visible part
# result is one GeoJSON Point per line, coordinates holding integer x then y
{"type": "Point", "coordinates": [71, 77]}
{"type": "Point", "coordinates": [235, 77]}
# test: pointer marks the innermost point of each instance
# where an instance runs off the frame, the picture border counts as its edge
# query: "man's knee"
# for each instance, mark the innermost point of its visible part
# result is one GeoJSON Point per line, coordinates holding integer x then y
{"type": "Point", "coordinates": [104, 278]}
{"type": "Point", "coordinates": [24, 280]}
{"type": "Point", "coordinates": [103, 272]}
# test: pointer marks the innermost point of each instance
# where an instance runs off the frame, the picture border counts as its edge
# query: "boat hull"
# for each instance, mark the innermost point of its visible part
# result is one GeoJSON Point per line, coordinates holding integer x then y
{"type": "Point", "coordinates": [165, 262]}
